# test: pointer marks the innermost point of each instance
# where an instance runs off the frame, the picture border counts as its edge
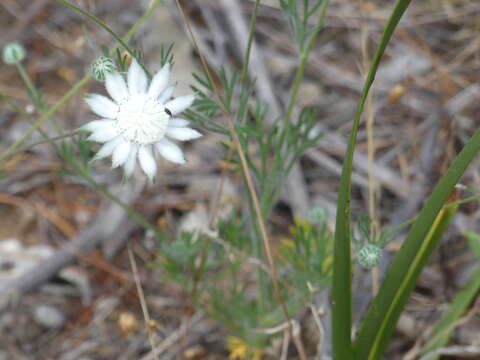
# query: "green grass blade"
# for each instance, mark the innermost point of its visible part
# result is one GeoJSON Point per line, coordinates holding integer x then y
{"type": "Point", "coordinates": [341, 291]}
{"type": "Point", "coordinates": [473, 239]}
{"type": "Point", "coordinates": [447, 323]}
{"type": "Point", "coordinates": [383, 313]}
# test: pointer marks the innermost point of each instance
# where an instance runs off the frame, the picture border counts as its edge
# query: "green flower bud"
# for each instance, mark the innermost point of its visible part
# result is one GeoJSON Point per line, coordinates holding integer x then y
{"type": "Point", "coordinates": [369, 256]}
{"type": "Point", "coordinates": [13, 53]}
{"type": "Point", "coordinates": [101, 67]}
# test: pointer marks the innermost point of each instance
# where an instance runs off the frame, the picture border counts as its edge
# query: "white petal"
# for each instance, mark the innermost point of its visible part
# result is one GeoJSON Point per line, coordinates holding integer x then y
{"type": "Point", "coordinates": [98, 125]}
{"type": "Point", "coordinates": [103, 135]}
{"type": "Point", "coordinates": [137, 79]}
{"type": "Point", "coordinates": [166, 94]}
{"type": "Point", "coordinates": [170, 151]}
{"type": "Point", "coordinates": [102, 105]}
{"type": "Point", "coordinates": [120, 155]}
{"type": "Point", "coordinates": [159, 81]}
{"type": "Point", "coordinates": [131, 161]}
{"type": "Point", "coordinates": [108, 148]}
{"type": "Point", "coordinates": [147, 161]}
{"type": "Point", "coordinates": [182, 133]}
{"type": "Point", "coordinates": [116, 86]}
{"type": "Point", "coordinates": [180, 103]}
{"type": "Point", "coordinates": [178, 122]}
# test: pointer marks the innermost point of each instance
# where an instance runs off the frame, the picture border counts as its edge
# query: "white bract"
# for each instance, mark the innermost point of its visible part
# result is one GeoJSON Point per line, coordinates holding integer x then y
{"type": "Point", "coordinates": [140, 120]}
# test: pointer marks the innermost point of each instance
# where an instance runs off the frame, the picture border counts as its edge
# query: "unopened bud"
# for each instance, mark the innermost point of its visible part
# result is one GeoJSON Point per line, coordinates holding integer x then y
{"type": "Point", "coordinates": [369, 256]}
{"type": "Point", "coordinates": [13, 53]}
{"type": "Point", "coordinates": [101, 67]}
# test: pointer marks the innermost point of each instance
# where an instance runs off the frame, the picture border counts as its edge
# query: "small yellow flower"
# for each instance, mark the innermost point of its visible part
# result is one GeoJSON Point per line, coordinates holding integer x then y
{"type": "Point", "coordinates": [301, 225]}
{"type": "Point", "coordinates": [288, 243]}
{"type": "Point", "coordinates": [240, 350]}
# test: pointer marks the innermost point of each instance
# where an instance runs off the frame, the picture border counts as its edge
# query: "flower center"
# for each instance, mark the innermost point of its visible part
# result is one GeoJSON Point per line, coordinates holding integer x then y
{"type": "Point", "coordinates": [142, 120]}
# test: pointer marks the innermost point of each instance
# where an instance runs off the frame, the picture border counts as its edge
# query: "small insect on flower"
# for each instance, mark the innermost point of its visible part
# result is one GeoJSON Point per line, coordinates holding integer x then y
{"type": "Point", "coordinates": [141, 119]}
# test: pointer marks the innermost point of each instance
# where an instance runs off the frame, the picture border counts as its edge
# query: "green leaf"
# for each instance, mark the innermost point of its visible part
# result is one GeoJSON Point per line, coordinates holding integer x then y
{"type": "Point", "coordinates": [473, 239]}
{"type": "Point", "coordinates": [447, 323]}
{"type": "Point", "coordinates": [105, 50]}
{"type": "Point", "coordinates": [342, 267]}
{"type": "Point", "coordinates": [166, 54]}
{"type": "Point", "coordinates": [363, 226]}
{"type": "Point", "coordinates": [383, 313]}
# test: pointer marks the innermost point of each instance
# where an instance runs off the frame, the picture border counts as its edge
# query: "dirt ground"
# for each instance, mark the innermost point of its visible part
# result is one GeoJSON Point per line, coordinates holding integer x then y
{"type": "Point", "coordinates": [425, 107]}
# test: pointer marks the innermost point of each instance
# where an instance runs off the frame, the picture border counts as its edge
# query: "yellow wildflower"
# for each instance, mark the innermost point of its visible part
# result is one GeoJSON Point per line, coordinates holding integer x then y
{"type": "Point", "coordinates": [240, 350]}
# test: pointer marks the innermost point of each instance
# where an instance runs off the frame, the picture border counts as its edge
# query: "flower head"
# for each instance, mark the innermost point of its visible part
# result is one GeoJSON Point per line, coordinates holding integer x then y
{"type": "Point", "coordinates": [13, 53]}
{"type": "Point", "coordinates": [140, 120]}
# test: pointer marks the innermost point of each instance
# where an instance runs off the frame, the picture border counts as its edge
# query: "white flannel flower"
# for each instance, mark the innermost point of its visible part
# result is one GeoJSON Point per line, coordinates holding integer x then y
{"type": "Point", "coordinates": [139, 120]}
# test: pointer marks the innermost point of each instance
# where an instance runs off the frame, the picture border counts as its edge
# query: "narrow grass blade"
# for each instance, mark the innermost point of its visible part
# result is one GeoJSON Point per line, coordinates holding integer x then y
{"type": "Point", "coordinates": [446, 325]}
{"type": "Point", "coordinates": [383, 313]}
{"type": "Point", "coordinates": [341, 291]}
{"type": "Point", "coordinates": [474, 242]}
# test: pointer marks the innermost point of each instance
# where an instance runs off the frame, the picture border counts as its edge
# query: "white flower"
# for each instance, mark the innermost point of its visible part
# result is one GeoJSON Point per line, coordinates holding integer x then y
{"type": "Point", "coordinates": [139, 120]}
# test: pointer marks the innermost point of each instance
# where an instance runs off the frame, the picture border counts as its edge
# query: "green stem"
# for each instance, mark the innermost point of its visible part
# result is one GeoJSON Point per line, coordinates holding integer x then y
{"type": "Point", "coordinates": [109, 30]}
{"type": "Point", "coordinates": [27, 117]}
{"type": "Point", "coordinates": [32, 91]}
{"type": "Point", "coordinates": [303, 63]}
{"type": "Point", "coordinates": [11, 150]}
{"type": "Point", "coordinates": [270, 198]}
{"type": "Point", "coordinates": [130, 211]}
{"type": "Point", "coordinates": [256, 236]}
{"type": "Point", "coordinates": [35, 95]}
{"type": "Point", "coordinates": [50, 140]}
{"type": "Point", "coordinates": [251, 32]}
{"type": "Point", "coordinates": [464, 201]}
